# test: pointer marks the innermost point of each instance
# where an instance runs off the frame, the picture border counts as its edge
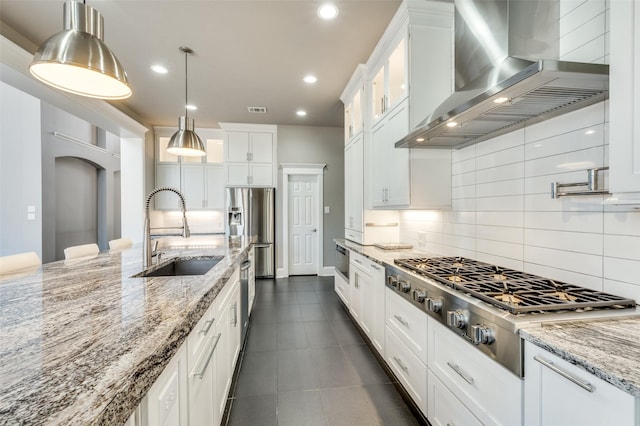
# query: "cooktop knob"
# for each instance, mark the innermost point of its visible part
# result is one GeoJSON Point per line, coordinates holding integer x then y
{"type": "Point", "coordinates": [481, 334]}
{"type": "Point", "coordinates": [392, 280]}
{"type": "Point", "coordinates": [404, 286]}
{"type": "Point", "coordinates": [456, 319]}
{"type": "Point", "coordinates": [434, 305]}
{"type": "Point", "coordinates": [419, 296]}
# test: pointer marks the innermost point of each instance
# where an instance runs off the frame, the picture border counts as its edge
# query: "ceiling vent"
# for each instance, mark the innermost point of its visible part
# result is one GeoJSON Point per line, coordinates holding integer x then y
{"type": "Point", "coordinates": [257, 109]}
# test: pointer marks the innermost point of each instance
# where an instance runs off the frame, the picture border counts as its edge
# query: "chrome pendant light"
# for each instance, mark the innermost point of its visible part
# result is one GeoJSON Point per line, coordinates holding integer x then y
{"type": "Point", "coordinates": [76, 59]}
{"type": "Point", "coordinates": [185, 141]}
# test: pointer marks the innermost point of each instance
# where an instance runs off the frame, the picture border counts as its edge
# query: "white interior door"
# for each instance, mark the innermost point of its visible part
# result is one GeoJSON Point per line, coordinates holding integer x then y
{"type": "Point", "coordinates": [303, 224]}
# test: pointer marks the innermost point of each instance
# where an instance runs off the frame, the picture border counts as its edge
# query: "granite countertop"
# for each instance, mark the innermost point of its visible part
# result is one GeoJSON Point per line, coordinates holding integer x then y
{"type": "Point", "coordinates": [609, 349]}
{"type": "Point", "coordinates": [82, 341]}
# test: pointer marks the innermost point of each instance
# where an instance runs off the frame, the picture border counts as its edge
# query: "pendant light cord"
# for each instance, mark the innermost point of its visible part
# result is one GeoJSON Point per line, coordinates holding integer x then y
{"type": "Point", "coordinates": [186, 82]}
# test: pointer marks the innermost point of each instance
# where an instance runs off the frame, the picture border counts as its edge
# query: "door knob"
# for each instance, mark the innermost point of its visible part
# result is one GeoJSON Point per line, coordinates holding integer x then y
{"type": "Point", "coordinates": [314, 230]}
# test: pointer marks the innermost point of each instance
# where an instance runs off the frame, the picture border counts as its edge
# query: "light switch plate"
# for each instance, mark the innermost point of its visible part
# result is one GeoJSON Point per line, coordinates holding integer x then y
{"type": "Point", "coordinates": [327, 209]}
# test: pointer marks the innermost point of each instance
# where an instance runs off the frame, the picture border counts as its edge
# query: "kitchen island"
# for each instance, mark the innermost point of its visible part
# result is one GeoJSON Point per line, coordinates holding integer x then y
{"type": "Point", "coordinates": [83, 341]}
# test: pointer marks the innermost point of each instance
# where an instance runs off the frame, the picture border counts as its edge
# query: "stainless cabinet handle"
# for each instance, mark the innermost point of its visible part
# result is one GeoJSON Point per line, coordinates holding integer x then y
{"type": "Point", "coordinates": [207, 326]}
{"type": "Point", "coordinates": [460, 372]}
{"type": "Point", "coordinates": [550, 365]}
{"type": "Point", "coordinates": [376, 267]}
{"type": "Point", "coordinates": [401, 364]}
{"type": "Point", "coordinates": [401, 320]}
{"type": "Point", "coordinates": [357, 261]}
{"type": "Point", "coordinates": [203, 361]}
{"type": "Point", "coordinates": [235, 314]}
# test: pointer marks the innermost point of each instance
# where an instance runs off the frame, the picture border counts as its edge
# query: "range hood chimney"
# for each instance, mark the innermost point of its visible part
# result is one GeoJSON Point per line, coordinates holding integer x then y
{"type": "Point", "coordinates": [507, 74]}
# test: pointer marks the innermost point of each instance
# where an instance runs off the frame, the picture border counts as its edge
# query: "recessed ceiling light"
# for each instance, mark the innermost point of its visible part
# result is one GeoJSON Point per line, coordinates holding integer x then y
{"type": "Point", "coordinates": [310, 79]}
{"type": "Point", "coordinates": [500, 100]}
{"type": "Point", "coordinates": [159, 69]}
{"type": "Point", "coordinates": [452, 124]}
{"type": "Point", "coordinates": [191, 107]}
{"type": "Point", "coordinates": [420, 140]}
{"type": "Point", "coordinates": [328, 11]}
{"type": "Point", "coordinates": [301, 113]}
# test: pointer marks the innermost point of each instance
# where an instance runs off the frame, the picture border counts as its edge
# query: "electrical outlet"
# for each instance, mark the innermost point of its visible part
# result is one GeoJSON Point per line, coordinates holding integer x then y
{"type": "Point", "coordinates": [422, 239]}
{"type": "Point", "coordinates": [327, 210]}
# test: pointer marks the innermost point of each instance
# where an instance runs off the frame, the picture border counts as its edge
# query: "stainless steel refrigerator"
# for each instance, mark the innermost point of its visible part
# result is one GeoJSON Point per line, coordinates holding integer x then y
{"type": "Point", "coordinates": [251, 211]}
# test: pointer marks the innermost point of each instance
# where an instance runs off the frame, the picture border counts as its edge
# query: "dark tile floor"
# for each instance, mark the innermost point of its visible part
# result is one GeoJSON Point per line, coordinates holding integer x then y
{"type": "Point", "coordinates": [304, 363]}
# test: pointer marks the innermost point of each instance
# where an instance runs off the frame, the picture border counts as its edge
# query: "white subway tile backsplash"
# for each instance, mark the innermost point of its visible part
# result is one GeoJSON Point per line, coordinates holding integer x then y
{"type": "Point", "coordinates": [464, 204]}
{"type": "Point", "coordinates": [498, 173]}
{"type": "Point", "coordinates": [500, 233]}
{"type": "Point", "coordinates": [581, 242]}
{"type": "Point", "coordinates": [466, 153]}
{"type": "Point", "coordinates": [511, 219]}
{"type": "Point", "coordinates": [588, 137]}
{"type": "Point", "coordinates": [500, 158]}
{"type": "Point", "coordinates": [587, 264]}
{"type": "Point", "coordinates": [500, 248]}
{"type": "Point", "coordinates": [585, 117]}
{"type": "Point", "coordinates": [624, 270]}
{"type": "Point", "coordinates": [588, 281]}
{"type": "Point", "coordinates": [622, 223]}
{"type": "Point", "coordinates": [544, 202]}
{"type": "Point", "coordinates": [565, 221]}
{"type": "Point", "coordinates": [460, 217]}
{"type": "Point", "coordinates": [505, 262]}
{"type": "Point", "coordinates": [468, 191]}
{"type": "Point", "coordinates": [568, 6]}
{"type": "Point", "coordinates": [505, 187]}
{"type": "Point", "coordinates": [591, 52]}
{"type": "Point", "coordinates": [460, 242]}
{"type": "Point", "coordinates": [501, 203]}
{"type": "Point", "coordinates": [461, 229]}
{"type": "Point", "coordinates": [567, 162]}
{"type": "Point", "coordinates": [500, 143]}
{"type": "Point", "coordinates": [464, 166]}
{"type": "Point", "coordinates": [622, 289]}
{"type": "Point", "coordinates": [623, 247]}
{"type": "Point", "coordinates": [542, 184]}
{"type": "Point", "coordinates": [462, 179]}
{"type": "Point", "coordinates": [578, 15]}
{"type": "Point", "coordinates": [590, 30]}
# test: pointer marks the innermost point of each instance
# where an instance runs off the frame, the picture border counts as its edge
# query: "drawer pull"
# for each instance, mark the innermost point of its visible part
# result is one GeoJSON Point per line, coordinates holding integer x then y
{"type": "Point", "coordinates": [207, 326]}
{"type": "Point", "coordinates": [551, 366]}
{"type": "Point", "coordinates": [461, 373]}
{"type": "Point", "coordinates": [377, 268]}
{"type": "Point", "coordinates": [401, 364]}
{"type": "Point", "coordinates": [401, 320]}
{"type": "Point", "coordinates": [357, 261]}
{"type": "Point", "coordinates": [204, 360]}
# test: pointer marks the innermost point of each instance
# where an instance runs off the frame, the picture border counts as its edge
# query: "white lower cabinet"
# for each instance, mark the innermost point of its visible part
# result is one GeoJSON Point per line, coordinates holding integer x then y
{"type": "Point", "coordinates": [193, 388]}
{"type": "Point", "coordinates": [367, 297]}
{"type": "Point", "coordinates": [444, 409]}
{"type": "Point", "coordinates": [166, 402]}
{"type": "Point", "coordinates": [252, 278]}
{"type": "Point", "coordinates": [343, 289]}
{"type": "Point", "coordinates": [405, 346]}
{"type": "Point", "coordinates": [559, 393]}
{"type": "Point", "coordinates": [486, 389]}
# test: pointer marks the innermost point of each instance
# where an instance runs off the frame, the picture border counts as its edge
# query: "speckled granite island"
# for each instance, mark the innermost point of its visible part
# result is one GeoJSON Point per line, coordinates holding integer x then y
{"type": "Point", "coordinates": [82, 341]}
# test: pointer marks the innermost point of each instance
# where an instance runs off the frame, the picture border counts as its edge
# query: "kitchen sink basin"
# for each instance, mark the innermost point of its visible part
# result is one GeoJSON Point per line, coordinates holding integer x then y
{"type": "Point", "coordinates": [180, 266]}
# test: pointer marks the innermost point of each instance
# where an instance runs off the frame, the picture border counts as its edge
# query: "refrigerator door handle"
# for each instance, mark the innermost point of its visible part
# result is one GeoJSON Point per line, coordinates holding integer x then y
{"type": "Point", "coordinates": [261, 245]}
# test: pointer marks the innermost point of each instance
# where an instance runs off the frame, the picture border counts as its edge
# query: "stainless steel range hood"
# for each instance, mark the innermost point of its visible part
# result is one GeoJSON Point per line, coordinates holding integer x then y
{"type": "Point", "coordinates": [497, 90]}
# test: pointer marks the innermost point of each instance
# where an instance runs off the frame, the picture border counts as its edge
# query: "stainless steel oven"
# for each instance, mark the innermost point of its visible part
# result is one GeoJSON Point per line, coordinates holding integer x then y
{"type": "Point", "coordinates": [342, 262]}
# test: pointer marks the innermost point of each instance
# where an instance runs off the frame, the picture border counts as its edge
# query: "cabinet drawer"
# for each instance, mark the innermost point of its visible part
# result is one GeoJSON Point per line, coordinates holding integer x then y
{"type": "Point", "coordinates": [342, 288]}
{"type": "Point", "coordinates": [408, 322]}
{"type": "Point", "coordinates": [560, 393]}
{"type": "Point", "coordinates": [444, 409]}
{"type": "Point", "coordinates": [411, 372]}
{"type": "Point", "coordinates": [200, 334]}
{"type": "Point", "coordinates": [491, 392]}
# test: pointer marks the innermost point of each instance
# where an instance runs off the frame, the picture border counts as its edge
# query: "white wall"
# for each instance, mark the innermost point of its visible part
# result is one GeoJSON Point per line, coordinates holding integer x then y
{"type": "Point", "coordinates": [502, 210]}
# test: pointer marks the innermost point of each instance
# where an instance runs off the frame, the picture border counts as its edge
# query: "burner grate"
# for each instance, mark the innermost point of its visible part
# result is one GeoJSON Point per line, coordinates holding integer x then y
{"type": "Point", "coordinates": [514, 291]}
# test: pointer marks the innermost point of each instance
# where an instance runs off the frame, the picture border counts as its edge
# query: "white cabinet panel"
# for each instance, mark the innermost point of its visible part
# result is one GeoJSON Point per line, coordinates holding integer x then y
{"type": "Point", "coordinates": [343, 289]}
{"type": "Point", "coordinates": [262, 147]}
{"type": "Point", "coordinates": [408, 322]}
{"type": "Point", "coordinates": [167, 175]}
{"type": "Point", "coordinates": [444, 409]}
{"type": "Point", "coordinates": [250, 153]}
{"type": "Point", "coordinates": [193, 186]}
{"type": "Point", "coordinates": [167, 397]}
{"type": "Point", "coordinates": [237, 146]}
{"type": "Point", "coordinates": [559, 393]}
{"type": "Point", "coordinates": [492, 393]}
{"type": "Point", "coordinates": [261, 174]}
{"type": "Point", "coordinates": [214, 185]}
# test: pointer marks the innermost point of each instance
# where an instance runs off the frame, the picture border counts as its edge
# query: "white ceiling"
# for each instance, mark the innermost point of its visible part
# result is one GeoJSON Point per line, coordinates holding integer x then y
{"type": "Point", "coordinates": [246, 53]}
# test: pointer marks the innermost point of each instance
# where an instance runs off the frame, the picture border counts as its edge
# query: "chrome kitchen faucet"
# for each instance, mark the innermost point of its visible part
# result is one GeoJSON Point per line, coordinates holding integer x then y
{"type": "Point", "coordinates": [147, 252]}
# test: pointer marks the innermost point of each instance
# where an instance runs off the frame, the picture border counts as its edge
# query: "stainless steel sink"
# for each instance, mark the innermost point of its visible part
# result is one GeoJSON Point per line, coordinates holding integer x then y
{"type": "Point", "coordinates": [180, 266]}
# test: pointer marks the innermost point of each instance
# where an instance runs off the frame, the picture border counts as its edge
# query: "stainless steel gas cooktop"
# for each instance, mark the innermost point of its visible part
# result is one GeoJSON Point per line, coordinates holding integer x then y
{"type": "Point", "coordinates": [487, 304]}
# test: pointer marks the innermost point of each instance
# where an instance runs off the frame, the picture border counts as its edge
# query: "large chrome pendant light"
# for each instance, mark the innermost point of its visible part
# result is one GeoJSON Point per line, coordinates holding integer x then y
{"type": "Point", "coordinates": [185, 141]}
{"type": "Point", "coordinates": [76, 59]}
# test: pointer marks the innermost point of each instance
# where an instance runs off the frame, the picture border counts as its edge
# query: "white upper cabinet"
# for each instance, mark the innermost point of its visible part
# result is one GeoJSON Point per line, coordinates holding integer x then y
{"type": "Point", "coordinates": [353, 98]}
{"type": "Point", "coordinates": [250, 154]}
{"type": "Point", "coordinates": [200, 179]}
{"type": "Point", "coordinates": [624, 101]}
{"type": "Point", "coordinates": [410, 72]}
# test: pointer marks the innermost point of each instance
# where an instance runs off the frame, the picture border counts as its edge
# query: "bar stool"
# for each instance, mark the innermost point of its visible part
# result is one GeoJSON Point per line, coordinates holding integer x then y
{"type": "Point", "coordinates": [83, 250]}
{"type": "Point", "coordinates": [120, 243]}
{"type": "Point", "coordinates": [17, 262]}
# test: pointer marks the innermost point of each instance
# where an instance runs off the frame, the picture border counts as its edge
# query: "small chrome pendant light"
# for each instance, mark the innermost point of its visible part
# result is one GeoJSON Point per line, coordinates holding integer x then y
{"type": "Point", "coordinates": [185, 141]}
{"type": "Point", "coordinates": [76, 59]}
